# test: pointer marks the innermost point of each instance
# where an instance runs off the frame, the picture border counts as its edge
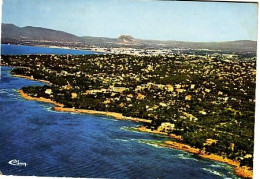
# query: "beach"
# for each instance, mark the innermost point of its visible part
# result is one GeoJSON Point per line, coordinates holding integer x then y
{"type": "Point", "coordinates": [112, 114]}
{"type": "Point", "coordinates": [59, 107]}
{"type": "Point", "coordinates": [26, 96]}
{"type": "Point", "coordinates": [30, 78]}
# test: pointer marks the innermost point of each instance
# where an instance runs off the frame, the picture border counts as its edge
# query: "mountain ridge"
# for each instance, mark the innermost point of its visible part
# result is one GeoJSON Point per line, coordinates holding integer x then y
{"type": "Point", "coordinates": [44, 36]}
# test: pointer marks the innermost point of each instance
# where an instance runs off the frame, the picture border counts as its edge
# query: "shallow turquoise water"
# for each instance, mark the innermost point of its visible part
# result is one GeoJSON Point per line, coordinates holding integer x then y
{"type": "Point", "coordinates": [81, 145]}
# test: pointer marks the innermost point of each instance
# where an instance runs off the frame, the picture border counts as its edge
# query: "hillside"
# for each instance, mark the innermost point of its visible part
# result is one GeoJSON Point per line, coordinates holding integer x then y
{"type": "Point", "coordinates": [127, 39]}
{"type": "Point", "coordinates": [12, 32]}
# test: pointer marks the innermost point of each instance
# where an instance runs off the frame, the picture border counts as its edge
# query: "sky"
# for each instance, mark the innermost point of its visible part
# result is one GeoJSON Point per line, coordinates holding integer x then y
{"type": "Point", "coordinates": [142, 19]}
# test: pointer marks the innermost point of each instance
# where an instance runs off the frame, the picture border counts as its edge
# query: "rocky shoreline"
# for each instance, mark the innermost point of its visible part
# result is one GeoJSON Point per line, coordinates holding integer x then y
{"type": "Point", "coordinates": [244, 171]}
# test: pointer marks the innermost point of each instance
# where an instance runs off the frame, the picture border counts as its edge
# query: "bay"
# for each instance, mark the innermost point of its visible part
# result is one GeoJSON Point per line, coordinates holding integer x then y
{"type": "Point", "coordinates": [24, 50]}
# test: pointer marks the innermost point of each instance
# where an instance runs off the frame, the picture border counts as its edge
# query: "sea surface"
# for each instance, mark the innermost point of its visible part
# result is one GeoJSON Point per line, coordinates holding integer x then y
{"type": "Point", "coordinates": [82, 145]}
{"type": "Point", "coordinates": [23, 50]}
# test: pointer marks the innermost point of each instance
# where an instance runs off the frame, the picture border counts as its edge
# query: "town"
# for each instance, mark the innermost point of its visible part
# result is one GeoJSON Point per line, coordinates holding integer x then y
{"type": "Point", "coordinates": [207, 100]}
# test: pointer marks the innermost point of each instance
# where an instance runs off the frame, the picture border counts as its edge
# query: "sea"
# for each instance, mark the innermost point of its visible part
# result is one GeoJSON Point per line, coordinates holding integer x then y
{"type": "Point", "coordinates": [66, 144]}
{"type": "Point", "coordinates": [24, 50]}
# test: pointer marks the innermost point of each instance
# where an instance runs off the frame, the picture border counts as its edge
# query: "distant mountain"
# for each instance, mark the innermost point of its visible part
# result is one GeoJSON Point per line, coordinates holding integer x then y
{"type": "Point", "coordinates": [127, 39]}
{"type": "Point", "coordinates": [42, 36]}
{"type": "Point", "coordinates": [240, 45]}
{"type": "Point", "coordinates": [12, 32]}
{"type": "Point", "coordinates": [99, 41]}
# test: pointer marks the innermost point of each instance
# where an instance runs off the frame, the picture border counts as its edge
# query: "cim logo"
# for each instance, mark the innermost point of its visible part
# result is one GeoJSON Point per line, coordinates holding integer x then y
{"type": "Point", "coordinates": [17, 163]}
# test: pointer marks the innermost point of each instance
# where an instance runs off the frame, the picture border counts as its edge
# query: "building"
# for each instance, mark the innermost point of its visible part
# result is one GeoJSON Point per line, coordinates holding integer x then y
{"type": "Point", "coordinates": [48, 91]}
{"type": "Point", "coordinates": [118, 89]}
{"type": "Point", "coordinates": [166, 127]}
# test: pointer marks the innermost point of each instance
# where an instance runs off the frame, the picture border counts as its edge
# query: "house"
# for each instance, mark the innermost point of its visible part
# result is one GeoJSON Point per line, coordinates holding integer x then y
{"type": "Point", "coordinates": [207, 90]}
{"type": "Point", "coordinates": [74, 95]}
{"type": "Point", "coordinates": [119, 89]}
{"type": "Point", "coordinates": [157, 86]}
{"type": "Point", "coordinates": [169, 88]}
{"type": "Point", "coordinates": [177, 86]}
{"type": "Point", "coordinates": [203, 112]}
{"type": "Point", "coordinates": [139, 88]}
{"type": "Point", "coordinates": [248, 156]}
{"type": "Point", "coordinates": [48, 91]}
{"type": "Point", "coordinates": [140, 96]}
{"type": "Point", "coordinates": [188, 97]}
{"type": "Point", "coordinates": [166, 127]}
{"type": "Point", "coordinates": [107, 101]}
{"type": "Point", "coordinates": [163, 104]}
{"type": "Point", "coordinates": [220, 93]}
{"type": "Point", "coordinates": [192, 86]}
{"type": "Point", "coordinates": [130, 95]}
{"type": "Point", "coordinates": [210, 142]}
{"type": "Point", "coordinates": [180, 90]}
{"type": "Point", "coordinates": [232, 146]}
{"type": "Point", "coordinates": [225, 99]}
{"type": "Point", "coordinates": [190, 116]}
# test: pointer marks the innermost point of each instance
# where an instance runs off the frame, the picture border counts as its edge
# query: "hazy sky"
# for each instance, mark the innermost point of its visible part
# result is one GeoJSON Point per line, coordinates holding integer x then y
{"type": "Point", "coordinates": [162, 20]}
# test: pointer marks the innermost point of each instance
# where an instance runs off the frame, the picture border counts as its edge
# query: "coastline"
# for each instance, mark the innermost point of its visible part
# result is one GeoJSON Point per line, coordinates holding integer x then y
{"type": "Point", "coordinates": [26, 96]}
{"type": "Point", "coordinates": [244, 171]}
{"type": "Point", "coordinates": [30, 78]}
{"type": "Point", "coordinates": [241, 171]}
{"type": "Point", "coordinates": [60, 107]}
{"type": "Point", "coordinates": [26, 77]}
{"type": "Point", "coordinates": [173, 136]}
{"type": "Point", "coordinates": [112, 114]}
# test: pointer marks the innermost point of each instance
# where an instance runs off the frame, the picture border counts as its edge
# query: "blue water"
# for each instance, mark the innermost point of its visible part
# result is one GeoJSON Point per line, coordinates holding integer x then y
{"type": "Point", "coordinates": [22, 50]}
{"type": "Point", "coordinates": [81, 145]}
